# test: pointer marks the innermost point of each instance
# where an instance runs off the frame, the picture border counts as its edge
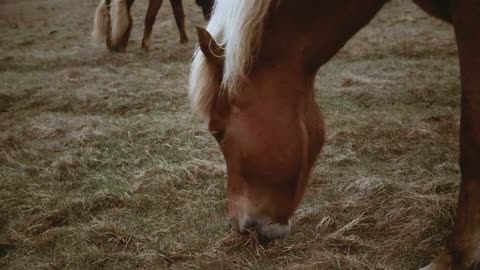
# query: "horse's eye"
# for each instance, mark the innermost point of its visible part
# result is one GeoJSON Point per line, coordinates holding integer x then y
{"type": "Point", "coordinates": [218, 134]}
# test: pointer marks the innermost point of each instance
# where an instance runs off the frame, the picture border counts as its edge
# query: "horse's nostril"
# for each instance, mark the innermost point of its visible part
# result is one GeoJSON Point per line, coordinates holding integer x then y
{"type": "Point", "coordinates": [267, 229]}
{"type": "Point", "coordinates": [273, 230]}
{"type": "Point", "coordinates": [244, 224]}
{"type": "Point", "coordinates": [234, 223]}
{"type": "Point", "coordinates": [247, 224]}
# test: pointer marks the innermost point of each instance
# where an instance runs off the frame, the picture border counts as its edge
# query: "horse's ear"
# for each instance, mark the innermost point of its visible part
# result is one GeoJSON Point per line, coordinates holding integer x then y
{"type": "Point", "coordinates": [212, 51]}
{"type": "Point", "coordinates": [220, 105]}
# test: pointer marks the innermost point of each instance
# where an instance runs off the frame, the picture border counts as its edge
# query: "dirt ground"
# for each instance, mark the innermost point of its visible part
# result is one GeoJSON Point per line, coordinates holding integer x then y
{"type": "Point", "coordinates": [103, 166]}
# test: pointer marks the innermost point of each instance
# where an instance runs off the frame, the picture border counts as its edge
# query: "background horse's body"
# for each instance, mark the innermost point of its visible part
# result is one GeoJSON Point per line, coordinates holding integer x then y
{"type": "Point", "coordinates": [268, 125]}
{"type": "Point", "coordinates": [113, 21]}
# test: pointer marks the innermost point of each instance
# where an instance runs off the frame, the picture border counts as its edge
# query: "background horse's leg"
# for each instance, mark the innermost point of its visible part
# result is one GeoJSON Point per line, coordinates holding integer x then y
{"type": "Point", "coordinates": [123, 40]}
{"type": "Point", "coordinates": [207, 6]}
{"type": "Point", "coordinates": [153, 7]}
{"type": "Point", "coordinates": [463, 249]}
{"type": "Point", "coordinates": [113, 23]}
{"type": "Point", "coordinates": [179, 19]}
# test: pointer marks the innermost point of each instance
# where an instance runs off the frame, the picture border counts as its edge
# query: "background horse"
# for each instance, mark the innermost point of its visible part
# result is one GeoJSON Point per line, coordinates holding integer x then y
{"type": "Point", "coordinates": [256, 91]}
{"type": "Point", "coordinates": [113, 21]}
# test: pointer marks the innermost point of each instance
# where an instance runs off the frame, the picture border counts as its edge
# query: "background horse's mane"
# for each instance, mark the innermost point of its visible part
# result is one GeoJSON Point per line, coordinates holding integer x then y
{"type": "Point", "coordinates": [238, 26]}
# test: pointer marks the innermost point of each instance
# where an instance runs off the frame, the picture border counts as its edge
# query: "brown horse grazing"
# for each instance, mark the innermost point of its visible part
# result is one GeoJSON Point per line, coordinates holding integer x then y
{"type": "Point", "coordinates": [113, 21]}
{"type": "Point", "coordinates": [255, 89]}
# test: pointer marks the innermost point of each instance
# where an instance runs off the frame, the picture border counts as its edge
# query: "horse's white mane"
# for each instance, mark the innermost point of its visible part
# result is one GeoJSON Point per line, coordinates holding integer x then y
{"type": "Point", "coordinates": [238, 26]}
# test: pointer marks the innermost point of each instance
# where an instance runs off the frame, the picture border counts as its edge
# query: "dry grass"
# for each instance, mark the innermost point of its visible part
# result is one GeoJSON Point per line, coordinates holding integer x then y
{"type": "Point", "coordinates": [102, 165]}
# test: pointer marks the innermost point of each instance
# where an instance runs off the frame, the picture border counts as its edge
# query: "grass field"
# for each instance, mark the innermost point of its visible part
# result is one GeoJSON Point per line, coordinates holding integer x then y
{"type": "Point", "coordinates": [102, 165]}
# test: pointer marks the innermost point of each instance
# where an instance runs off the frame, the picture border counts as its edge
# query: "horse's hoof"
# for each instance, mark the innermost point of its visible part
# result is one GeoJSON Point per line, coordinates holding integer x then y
{"type": "Point", "coordinates": [145, 46]}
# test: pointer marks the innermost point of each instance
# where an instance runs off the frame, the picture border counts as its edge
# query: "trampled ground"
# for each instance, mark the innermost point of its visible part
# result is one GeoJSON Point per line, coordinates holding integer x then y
{"type": "Point", "coordinates": [102, 165]}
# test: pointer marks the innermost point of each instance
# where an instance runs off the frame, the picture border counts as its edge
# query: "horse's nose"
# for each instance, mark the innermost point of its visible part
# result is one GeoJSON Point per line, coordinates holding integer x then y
{"type": "Point", "coordinates": [273, 230]}
{"type": "Point", "coordinates": [243, 224]}
{"type": "Point", "coordinates": [247, 223]}
{"type": "Point", "coordinates": [266, 228]}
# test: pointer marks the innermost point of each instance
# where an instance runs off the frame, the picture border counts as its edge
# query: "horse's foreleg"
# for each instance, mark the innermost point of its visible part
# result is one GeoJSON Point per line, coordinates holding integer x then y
{"type": "Point", "coordinates": [466, 235]}
{"type": "Point", "coordinates": [463, 249]}
{"type": "Point", "coordinates": [179, 19]}
{"type": "Point", "coordinates": [153, 7]}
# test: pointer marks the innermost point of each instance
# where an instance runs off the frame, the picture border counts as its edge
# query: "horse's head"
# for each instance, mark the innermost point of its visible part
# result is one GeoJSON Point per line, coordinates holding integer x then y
{"type": "Point", "coordinates": [270, 132]}
{"type": "Point", "coordinates": [206, 6]}
{"type": "Point", "coordinates": [257, 94]}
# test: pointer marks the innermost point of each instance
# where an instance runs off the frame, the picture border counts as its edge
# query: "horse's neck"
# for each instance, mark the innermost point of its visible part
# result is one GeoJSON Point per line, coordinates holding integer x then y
{"type": "Point", "coordinates": [312, 31]}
